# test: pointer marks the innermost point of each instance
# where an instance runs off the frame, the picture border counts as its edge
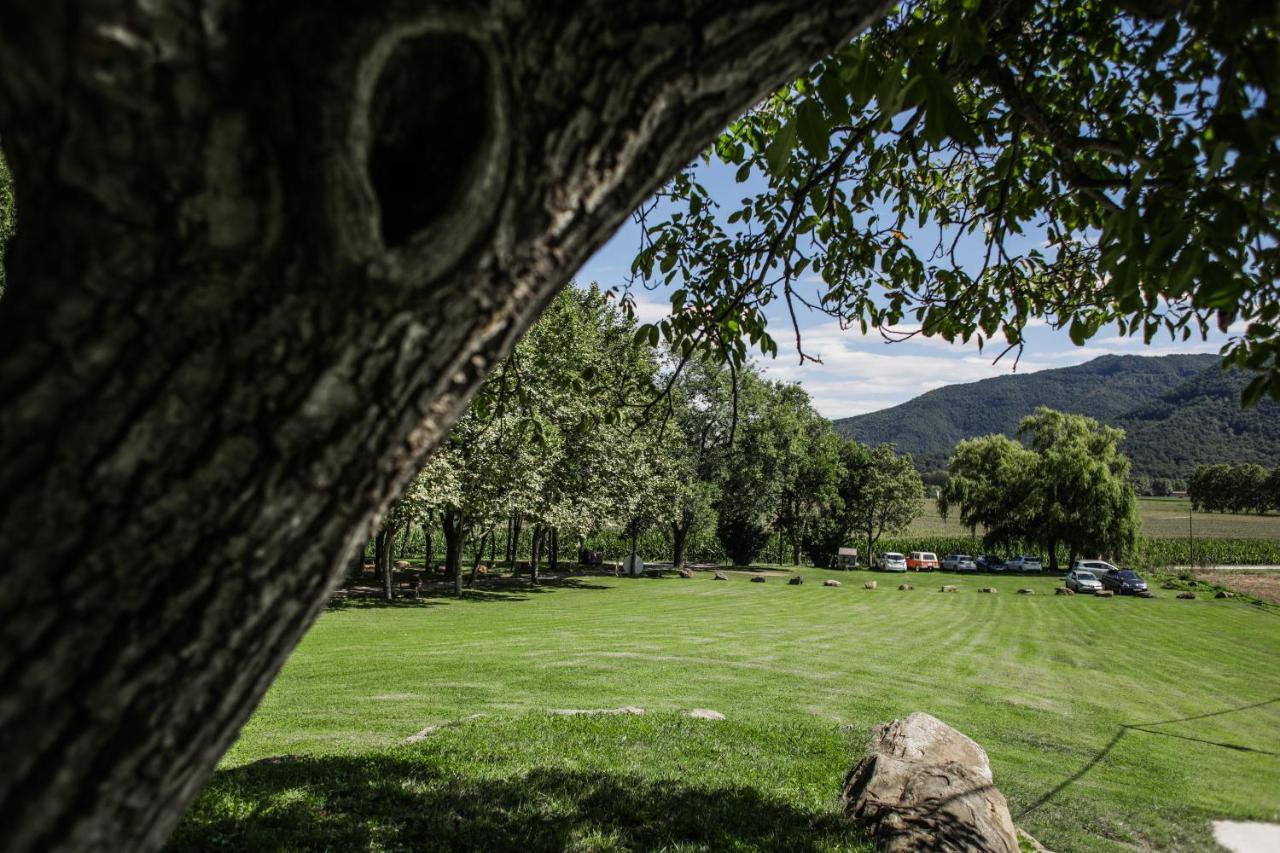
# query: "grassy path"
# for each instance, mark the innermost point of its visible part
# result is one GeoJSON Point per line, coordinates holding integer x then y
{"type": "Point", "coordinates": [1110, 723]}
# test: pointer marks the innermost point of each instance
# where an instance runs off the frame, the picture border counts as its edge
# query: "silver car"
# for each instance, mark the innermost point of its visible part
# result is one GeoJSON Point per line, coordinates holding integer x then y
{"type": "Point", "coordinates": [959, 563]}
{"type": "Point", "coordinates": [1083, 580]}
{"type": "Point", "coordinates": [891, 561]}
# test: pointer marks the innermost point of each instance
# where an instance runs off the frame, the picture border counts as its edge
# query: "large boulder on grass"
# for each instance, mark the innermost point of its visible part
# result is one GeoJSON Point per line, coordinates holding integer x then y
{"type": "Point", "coordinates": [795, 580]}
{"type": "Point", "coordinates": [686, 573]}
{"type": "Point", "coordinates": [925, 786]}
{"type": "Point", "coordinates": [758, 579]}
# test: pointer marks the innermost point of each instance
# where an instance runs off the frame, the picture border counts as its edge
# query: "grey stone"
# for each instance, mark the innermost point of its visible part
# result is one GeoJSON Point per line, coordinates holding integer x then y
{"type": "Point", "coordinates": [949, 588]}
{"type": "Point", "coordinates": [1186, 595]}
{"type": "Point", "coordinates": [1026, 591]}
{"type": "Point", "coordinates": [719, 576]}
{"type": "Point", "coordinates": [987, 589]}
{"type": "Point", "coordinates": [831, 583]}
{"type": "Point", "coordinates": [870, 585]}
{"type": "Point", "coordinates": [758, 579]}
{"type": "Point", "coordinates": [925, 786]}
{"type": "Point", "coordinates": [686, 573]}
{"type": "Point", "coordinates": [795, 580]}
{"type": "Point", "coordinates": [905, 586]}
{"type": "Point", "coordinates": [705, 714]}
{"type": "Point", "coordinates": [1062, 590]}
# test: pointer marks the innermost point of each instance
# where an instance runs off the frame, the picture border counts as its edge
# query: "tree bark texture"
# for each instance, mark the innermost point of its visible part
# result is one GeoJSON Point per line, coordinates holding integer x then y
{"type": "Point", "coordinates": [267, 252]}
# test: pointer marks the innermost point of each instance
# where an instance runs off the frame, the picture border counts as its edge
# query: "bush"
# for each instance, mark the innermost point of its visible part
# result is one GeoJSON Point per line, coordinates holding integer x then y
{"type": "Point", "coordinates": [743, 537]}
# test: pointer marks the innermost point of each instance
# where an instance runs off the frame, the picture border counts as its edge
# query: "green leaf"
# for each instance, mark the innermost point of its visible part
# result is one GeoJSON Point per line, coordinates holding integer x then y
{"type": "Point", "coordinates": [778, 154]}
{"type": "Point", "coordinates": [814, 134]}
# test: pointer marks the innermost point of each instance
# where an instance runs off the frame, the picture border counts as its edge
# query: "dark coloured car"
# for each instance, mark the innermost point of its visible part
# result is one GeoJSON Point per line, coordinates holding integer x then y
{"type": "Point", "coordinates": [989, 563]}
{"type": "Point", "coordinates": [1123, 582]}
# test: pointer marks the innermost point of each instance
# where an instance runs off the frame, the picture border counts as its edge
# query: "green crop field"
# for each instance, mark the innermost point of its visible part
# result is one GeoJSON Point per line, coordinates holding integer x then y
{"type": "Point", "coordinates": [1111, 724]}
{"type": "Point", "coordinates": [1162, 518]}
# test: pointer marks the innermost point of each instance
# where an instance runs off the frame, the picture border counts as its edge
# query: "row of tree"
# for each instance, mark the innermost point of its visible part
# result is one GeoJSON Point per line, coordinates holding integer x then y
{"type": "Point", "coordinates": [1067, 485]}
{"type": "Point", "coordinates": [1245, 487]}
{"type": "Point", "coordinates": [588, 430]}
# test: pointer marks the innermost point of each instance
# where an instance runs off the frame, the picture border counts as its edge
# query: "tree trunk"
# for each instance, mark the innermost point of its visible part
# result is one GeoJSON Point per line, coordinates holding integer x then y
{"type": "Point", "coordinates": [493, 547]}
{"type": "Point", "coordinates": [428, 554]}
{"type": "Point", "coordinates": [475, 562]}
{"type": "Point", "coordinates": [553, 558]}
{"type": "Point", "coordinates": [1053, 555]}
{"type": "Point", "coordinates": [535, 553]}
{"type": "Point", "coordinates": [455, 535]}
{"type": "Point", "coordinates": [679, 538]}
{"type": "Point", "coordinates": [795, 550]}
{"type": "Point", "coordinates": [273, 249]}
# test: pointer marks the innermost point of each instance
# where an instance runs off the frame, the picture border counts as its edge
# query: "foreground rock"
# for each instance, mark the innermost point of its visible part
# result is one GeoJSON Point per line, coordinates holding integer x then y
{"type": "Point", "coordinates": [904, 586]}
{"type": "Point", "coordinates": [1222, 593]}
{"type": "Point", "coordinates": [1104, 593]}
{"type": "Point", "coordinates": [719, 576]}
{"type": "Point", "coordinates": [870, 585]}
{"type": "Point", "coordinates": [686, 573]}
{"type": "Point", "coordinates": [988, 589]}
{"type": "Point", "coordinates": [596, 712]}
{"type": "Point", "coordinates": [831, 583]}
{"type": "Point", "coordinates": [1026, 591]}
{"type": "Point", "coordinates": [925, 786]}
{"type": "Point", "coordinates": [1062, 590]}
{"type": "Point", "coordinates": [795, 580]}
{"type": "Point", "coordinates": [758, 579]}
{"type": "Point", "coordinates": [1186, 595]}
{"type": "Point", "coordinates": [948, 588]}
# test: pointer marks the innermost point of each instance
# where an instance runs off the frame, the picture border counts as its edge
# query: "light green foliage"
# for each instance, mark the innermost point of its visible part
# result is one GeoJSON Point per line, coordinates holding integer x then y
{"type": "Point", "coordinates": [1046, 684]}
{"type": "Point", "coordinates": [1070, 487]}
{"type": "Point", "coordinates": [1107, 166]}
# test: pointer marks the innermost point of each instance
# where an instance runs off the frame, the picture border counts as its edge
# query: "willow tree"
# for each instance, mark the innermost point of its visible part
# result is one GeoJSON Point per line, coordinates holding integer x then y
{"type": "Point", "coordinates": [267, 252]}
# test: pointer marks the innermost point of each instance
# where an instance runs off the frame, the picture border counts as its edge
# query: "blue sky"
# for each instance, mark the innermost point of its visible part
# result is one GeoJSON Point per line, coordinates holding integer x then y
{"type": "Point", "coordinates": [864, 373]}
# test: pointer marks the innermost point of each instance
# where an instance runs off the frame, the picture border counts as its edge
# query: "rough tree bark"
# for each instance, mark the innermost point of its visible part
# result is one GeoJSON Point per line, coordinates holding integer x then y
{"type": "Point", "coordinates": [679, 538]}
{"type": "Point", "coordinates": [267, 252]}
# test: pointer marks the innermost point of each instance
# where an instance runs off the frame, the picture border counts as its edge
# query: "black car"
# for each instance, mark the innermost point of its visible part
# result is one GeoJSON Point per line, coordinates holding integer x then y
{"type": "Point", "coordinates": [1123, 581]}
{"type": "Point", "coordinates": [990, 563]}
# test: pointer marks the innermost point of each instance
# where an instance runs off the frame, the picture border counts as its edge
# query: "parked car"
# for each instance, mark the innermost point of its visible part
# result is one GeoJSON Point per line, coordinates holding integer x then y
{"type": "Point", "coordinates": [1098, 567]}
{"type": "Point", "coordinates": [989, 563]}
{"type": "Point", "coordinates": [1123, 581]}
{"type": "Point", "coordinates": [1083, 580]}
{"type": "Point", "coordinates": [958, 563]}
{"type": "Point", "coordinates": [1023, 563]}
{"type": "Point", "coordinates": [922, 561]}
{"type": "Point", "coordinates": [891, 561]}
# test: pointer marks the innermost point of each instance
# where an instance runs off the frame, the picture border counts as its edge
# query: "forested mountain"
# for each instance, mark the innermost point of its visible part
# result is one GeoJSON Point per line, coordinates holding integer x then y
{"type": "Point", "coordinates": [1179, 411]}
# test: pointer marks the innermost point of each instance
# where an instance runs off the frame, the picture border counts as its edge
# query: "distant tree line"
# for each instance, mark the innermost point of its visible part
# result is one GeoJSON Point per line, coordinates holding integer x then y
{"type": "Point", "coordinates": [590, 433]}
{"type": "Point", "coordinates": [1245, 487]}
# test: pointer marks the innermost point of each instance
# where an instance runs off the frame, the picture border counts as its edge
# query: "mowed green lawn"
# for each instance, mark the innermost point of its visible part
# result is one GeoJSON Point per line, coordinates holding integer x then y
{"type": "Point", "coordinates": [1110, 723]}
{"type": "Point", "coordinates": [1162, 518]}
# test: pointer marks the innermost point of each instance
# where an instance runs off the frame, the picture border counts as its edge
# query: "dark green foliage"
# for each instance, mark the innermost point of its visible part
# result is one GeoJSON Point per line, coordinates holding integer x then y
{"type": "Point", "coordinates": [742, 535]}
{"type": "Point", "coordinates": [1234, 488]}
{"type": "Point", "coordinates": [1177, 412]}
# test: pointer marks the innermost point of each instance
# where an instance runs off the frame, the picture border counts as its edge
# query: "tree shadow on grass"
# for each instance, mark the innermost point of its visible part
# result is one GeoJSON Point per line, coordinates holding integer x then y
{"type": "Point", "coordinates": [394, 802]}
{"type": "Point", "coordinates": [1148, 728]}
{"type": "Point", "coordinates": [434, 592]}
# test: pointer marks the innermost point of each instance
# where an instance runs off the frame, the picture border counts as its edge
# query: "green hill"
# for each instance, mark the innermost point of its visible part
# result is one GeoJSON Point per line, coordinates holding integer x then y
{"type": "Point", "coordinates": [1179, 411]}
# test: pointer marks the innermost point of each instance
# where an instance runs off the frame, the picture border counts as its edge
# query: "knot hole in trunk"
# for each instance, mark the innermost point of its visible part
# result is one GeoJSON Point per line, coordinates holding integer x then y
{"type": "Point", "coordinates": [430, 122]}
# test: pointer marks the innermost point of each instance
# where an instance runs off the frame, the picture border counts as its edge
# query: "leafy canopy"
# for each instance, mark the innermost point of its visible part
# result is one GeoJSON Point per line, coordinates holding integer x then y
{"type": "Point", "coordinates": [965, 167]}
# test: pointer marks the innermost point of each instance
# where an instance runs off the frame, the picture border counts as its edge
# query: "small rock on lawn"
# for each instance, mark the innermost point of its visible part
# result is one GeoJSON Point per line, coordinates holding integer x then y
{"type": "Point", "coordinates": [987, 589]}
{"type": "Point", "coordinates": [905, 586]}
{"type": "Point", "coordinates": [831, 583]}
{"type": "Point", "coordinates": [949, 588]}
{"type": "Point", "coordinates": [719, 576]}
{"type": "Point", "coordinates": [1104, 593]}
{"type": "Point", "coordinates": [1062, 590]}
{"type": "Point", "coordinates": [757, 579]}
{"type": "Point", "coordinates": [686, 573]}
{"type": "Point", "coordinates": [1186, 595]}
{"type": "Point", "coordinates": [795, 580]}
{"type": "Point", "coordinates": [1025, 591]}
{"type": "Point", "coordinates": [1222, 593]}
{"type": "Point", "coordinates": [705, 714]}
{"type": "Point", "coordinates": [870, 585]}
